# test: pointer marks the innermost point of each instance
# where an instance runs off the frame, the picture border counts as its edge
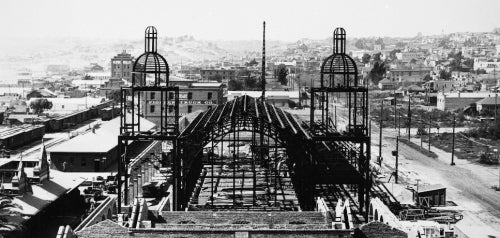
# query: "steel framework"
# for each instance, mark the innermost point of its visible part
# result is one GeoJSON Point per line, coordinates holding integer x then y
{"type": "Point", "coordinates": [315, 154]}
{"type": "Point", "coordinates": [341, 86]}
{"type": "Point", "coordinates": [246, 119]}
{"type": "Point", "coordinates": [150, 74]}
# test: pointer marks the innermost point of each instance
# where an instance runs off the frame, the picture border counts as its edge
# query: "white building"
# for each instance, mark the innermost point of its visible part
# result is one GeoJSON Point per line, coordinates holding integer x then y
{"type": "Point", "coordinates": [480, 63]}
{"type": "Point", "coordinates": [69, 105]}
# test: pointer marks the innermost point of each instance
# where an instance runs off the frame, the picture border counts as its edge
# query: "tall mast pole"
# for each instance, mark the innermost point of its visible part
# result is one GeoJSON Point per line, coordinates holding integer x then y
{"type": "Point", "coordinates": [263, 74]}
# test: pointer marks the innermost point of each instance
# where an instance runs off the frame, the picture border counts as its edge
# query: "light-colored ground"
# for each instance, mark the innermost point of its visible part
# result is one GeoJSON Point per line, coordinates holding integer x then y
{"type": "Point", "coordinates": [468, 184]}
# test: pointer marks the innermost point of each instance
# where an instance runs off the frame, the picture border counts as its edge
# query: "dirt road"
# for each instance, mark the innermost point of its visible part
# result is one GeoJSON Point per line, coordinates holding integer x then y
{"type": "Point", "coordinates": [464, 186]}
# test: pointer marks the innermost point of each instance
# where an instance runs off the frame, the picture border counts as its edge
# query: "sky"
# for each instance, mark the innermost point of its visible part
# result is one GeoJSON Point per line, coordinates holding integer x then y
{"type": "Point", "coordinates": [288, 20]}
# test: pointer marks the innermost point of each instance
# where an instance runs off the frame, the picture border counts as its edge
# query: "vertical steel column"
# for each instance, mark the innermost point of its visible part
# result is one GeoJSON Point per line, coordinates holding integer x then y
{"type": "Point", "coordinates": [212, 156]}
{"type": "Point", "coordinates": [311, 114]}
{"type": "Point", "coordinates": [176, 175]}
{"type": "Point", "coordinates": [254, 143]}
{"type": "Point", "coordinates": [119, 174]}
{"type": "Point", "coordinates": [125, 169]}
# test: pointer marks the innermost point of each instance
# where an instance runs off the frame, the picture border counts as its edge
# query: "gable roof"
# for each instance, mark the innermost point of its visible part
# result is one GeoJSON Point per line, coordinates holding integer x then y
{"type": "Point", "coordinates": [488, 101]}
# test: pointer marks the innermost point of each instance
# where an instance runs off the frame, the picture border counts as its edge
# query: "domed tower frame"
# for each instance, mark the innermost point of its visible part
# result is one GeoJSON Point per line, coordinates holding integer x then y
{"type": "Point", "coordinates": [341, 87]}
{"type": "Point", "coordinates": [149, 87]}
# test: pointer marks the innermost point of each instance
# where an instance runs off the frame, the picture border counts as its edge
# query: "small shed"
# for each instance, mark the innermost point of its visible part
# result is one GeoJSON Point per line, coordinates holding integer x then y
{"type": "Point", "coordinates": [432, 195]}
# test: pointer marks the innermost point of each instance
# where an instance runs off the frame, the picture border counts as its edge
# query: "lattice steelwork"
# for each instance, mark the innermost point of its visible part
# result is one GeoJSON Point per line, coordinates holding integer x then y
{"type": "Point", "coordinates": [150, 89]}
{"type": "Point", "coordinates": [339, 114]}
{"type": "Point", "coordinates": [278, 148]}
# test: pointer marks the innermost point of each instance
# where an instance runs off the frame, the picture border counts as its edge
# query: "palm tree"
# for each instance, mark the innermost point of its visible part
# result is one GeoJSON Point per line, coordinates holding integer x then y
{"type": "Point", "coordinates": [8, 228]}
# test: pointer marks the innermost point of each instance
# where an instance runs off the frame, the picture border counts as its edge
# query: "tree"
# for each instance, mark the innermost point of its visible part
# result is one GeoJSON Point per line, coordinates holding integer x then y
{"type": "Point", "coordinates": [443, 74]}
{"type": "Point", "coordinates": [6, 211]}
{"type": "Point", "coordinates": [282, 72]}
{"type": "Point", "coordinates": [235, 85]}
{"type": "Point", "coordinates": [469, 63]}
{"type": "Point", "coordinates": [88, 77]}
{"type": "Point", "coordinates": [216, 77]}
{"type": "Point", "coordinates": [376, 57]}
{"type": "Point", "coordinates": [456, 61]}
{"type": "Point", "coordinates": [427, 77]}
{"type": "Point", "coordinates": [39, 105]}
{"type": "Point", "coordinates": [377, 72]}
{"type": "Point", "coordinates": [360, 44]}
{"type": "Point", "coordinates": [115, 95]}
{"type": "Point", "coordinates": [400, 45]}
{"type": "Point", "coordinates": [366, 58]}
{"type": "Point", "coordinates": [393, 53]}
{"type": "Point", "coordinates": [481, 71]}
{"type": "Point", "coordinates": [252, 63]}
{"type": "Point", "coordinates": [380, 42]}
{"type": "Point", "coordinates": [250, 83]}
{"type": "Point", "coordinates": [445, 42]}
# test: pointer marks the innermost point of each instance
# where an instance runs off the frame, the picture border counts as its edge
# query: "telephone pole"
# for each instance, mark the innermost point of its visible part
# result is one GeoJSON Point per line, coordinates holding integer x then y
{"type": "Point", "coordinates": [380, 133]}
{"type": "Point", "coordinates": [395, 108]}
{"type": "Point", "coordinates": [409, 117]}
{"type": "Point", "coordinates": [396, 153]}
{"type": "Point", "coordinates": [429, 142]}
{"type": "Point", "coordinates": [453, 144]}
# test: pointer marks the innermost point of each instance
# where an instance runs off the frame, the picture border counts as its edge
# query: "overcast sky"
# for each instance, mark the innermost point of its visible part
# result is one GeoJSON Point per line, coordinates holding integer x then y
{"type": "Point", "coordinates": [242, 20]}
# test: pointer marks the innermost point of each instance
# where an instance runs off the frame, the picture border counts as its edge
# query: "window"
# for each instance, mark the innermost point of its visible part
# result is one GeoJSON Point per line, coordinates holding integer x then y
{"type": "Point", "coordinates": [190, 95]}
{"type": "Point", "coordinates": [209, 96]}
{"type": "Point", "coordinates": [170, 108]}
{"type": "Point", "coordinates": [152, 94]}
{"type": "Point", "coordinates": [190, 109]}
{"type": "Point", "coordinates": [152, 108]}
{"type": "Point", "coordinates": [84, 161]}
{"type": "Point", "coordinates": [170, 96]}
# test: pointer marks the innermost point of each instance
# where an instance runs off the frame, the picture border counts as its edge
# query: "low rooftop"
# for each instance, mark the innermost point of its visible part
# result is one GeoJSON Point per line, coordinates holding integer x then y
{"type": "Point", "coordinates": [101, 140]}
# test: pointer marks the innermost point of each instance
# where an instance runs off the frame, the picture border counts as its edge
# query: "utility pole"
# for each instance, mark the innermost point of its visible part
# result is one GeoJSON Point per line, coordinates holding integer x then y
{"type": "Point", "coordinates": [399, 125]}
{"type": "Point", "coordinates": [421, 132]}
{"type": "Point", "coordinates": [453, 144]}
{"type": "Point", "coordinates": [409, 117]}
{"type": "Point", "coordinates": [496, 93]}
{"type": "Point", "coordinates": [395, 105]}
{"type": "Point", "coordinates": [396, 153]}
{"type": "Point", "coordinates": [498, 159]}
{"type": "Point", "coordinates": [429, 142]}
{"type": "Point", "coordinates": [496, 109]}
{"type": "Point", "coordinates": [380, 133]}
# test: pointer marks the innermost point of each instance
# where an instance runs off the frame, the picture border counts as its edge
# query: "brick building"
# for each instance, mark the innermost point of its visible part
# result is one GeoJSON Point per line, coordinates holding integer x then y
{"type": "Point", "coordinates": [226, 74]}
{"type": "Point", "coordinates": [121, 66]}
{"type": "Point", "coordinates": [192, 97]}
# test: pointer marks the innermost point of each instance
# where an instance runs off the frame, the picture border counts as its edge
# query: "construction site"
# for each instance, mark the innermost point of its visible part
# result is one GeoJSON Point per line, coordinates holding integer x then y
{"type": "Point", "coordinates": [247, 168]}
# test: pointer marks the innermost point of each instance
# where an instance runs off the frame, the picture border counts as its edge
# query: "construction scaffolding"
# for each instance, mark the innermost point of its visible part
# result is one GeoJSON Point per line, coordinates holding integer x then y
{"type": "Point", "coordinates": [150, 75]}
{"type": "Point", "coordinates": [342, 90]}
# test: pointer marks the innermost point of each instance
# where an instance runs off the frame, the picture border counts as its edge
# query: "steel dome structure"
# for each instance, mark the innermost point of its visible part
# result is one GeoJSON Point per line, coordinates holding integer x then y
{"type": "Point", "coordinates": [341, 90]}
{"type": "Point", "coordinates": [150, 64]}
{"type": "Point", "coordinates": [151, 97]}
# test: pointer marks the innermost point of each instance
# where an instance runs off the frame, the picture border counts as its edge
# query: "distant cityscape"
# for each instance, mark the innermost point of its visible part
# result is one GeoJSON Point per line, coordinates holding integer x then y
{"type": "Point", "coordinates": [174, 136]}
